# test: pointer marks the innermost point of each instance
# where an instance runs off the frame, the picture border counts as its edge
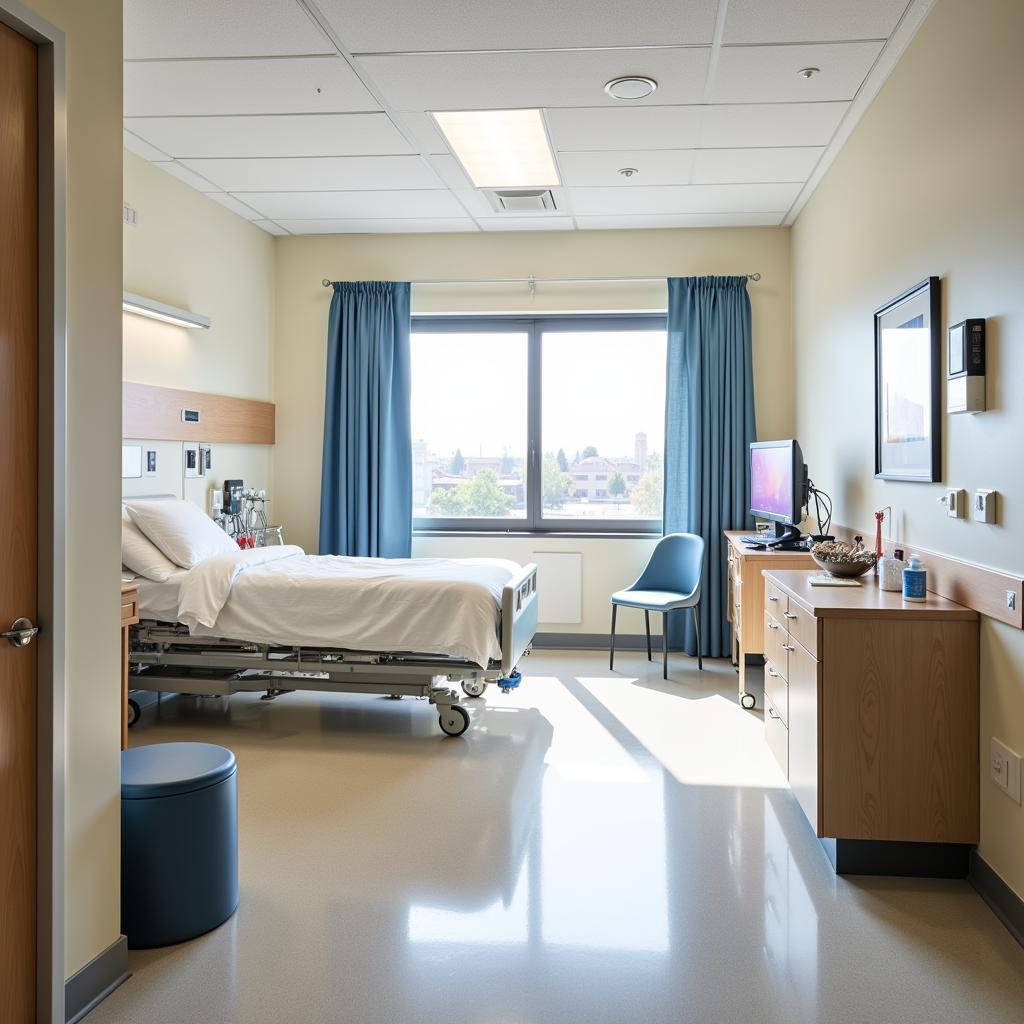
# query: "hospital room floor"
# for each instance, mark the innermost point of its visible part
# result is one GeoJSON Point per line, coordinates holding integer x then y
{"type": "Point", "coordinates": [597, 848]}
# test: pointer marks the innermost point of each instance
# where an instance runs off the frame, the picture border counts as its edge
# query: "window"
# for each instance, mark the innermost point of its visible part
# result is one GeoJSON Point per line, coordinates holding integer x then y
{"type": "Point", "coordinates": [538, 424]}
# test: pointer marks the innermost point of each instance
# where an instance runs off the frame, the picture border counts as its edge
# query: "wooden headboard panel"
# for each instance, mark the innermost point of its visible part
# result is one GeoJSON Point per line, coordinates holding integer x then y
{"type": "Point", "coordinates": [155, 414]}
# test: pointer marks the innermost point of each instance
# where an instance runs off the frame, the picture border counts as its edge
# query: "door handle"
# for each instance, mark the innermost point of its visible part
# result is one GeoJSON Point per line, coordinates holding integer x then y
{"type": "Point", "coordinates": [21, 633]}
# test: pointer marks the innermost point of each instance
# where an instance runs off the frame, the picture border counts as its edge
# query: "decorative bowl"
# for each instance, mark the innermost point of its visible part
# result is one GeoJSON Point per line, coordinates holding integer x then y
{"type": "Point", "coordinates": [842, 560]}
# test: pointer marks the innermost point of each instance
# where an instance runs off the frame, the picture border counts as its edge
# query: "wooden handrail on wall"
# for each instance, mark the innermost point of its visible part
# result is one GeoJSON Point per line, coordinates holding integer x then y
{"type": "Point", "coordinates": [974, 586]}
{"type": "Point", "coordinates": [156, 414]}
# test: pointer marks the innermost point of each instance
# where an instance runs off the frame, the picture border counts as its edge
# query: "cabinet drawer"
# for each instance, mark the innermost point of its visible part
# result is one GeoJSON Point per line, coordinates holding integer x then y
{"type": "Point", "coordinates": [776, 736]}
{"type": "Point", "coordinates": [775, 601]}
{"type": "Point", "coordinates": [129, 607]}
{"type": "Point", "coordinates": [776, 644]}
{"type": "Point", "coordinates": [802, 626]}
{"type": "Point", "coordinates": [776, 690]}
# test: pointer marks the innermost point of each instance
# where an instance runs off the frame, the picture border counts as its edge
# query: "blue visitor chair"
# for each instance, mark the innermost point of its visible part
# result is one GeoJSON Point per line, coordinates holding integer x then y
{"type": "Point", "coordinates": [670, 581]}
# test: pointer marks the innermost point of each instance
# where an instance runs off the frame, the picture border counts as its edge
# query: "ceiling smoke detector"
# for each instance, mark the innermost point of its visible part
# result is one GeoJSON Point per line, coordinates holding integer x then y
{"type": "Point", "coordinates": [630, 87]}
{"type": "Point", "coordinates": [808, 72]}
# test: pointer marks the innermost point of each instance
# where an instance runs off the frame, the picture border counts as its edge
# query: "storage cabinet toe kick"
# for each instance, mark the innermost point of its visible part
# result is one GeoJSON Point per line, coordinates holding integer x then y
{"type": "Point", "coordinates": [871, 710]}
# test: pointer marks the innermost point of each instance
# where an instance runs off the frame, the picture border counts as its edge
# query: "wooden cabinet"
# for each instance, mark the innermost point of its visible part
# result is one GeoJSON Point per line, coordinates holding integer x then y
{"type": "Point", "coordinates": [745, 599]}
{"type": "Point", "coordinates": [872, 712]}
{"type": "Point", "coordinates": [129, 616]}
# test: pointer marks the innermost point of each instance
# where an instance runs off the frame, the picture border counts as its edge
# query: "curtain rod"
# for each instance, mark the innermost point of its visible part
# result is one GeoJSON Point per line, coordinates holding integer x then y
{"type": "Point", "coordinates": [532, 281]}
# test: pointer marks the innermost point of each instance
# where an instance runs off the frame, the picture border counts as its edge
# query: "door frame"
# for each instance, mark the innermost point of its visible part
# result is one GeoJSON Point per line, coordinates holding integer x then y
{"type": "Point", "coordinates": [52, 595]}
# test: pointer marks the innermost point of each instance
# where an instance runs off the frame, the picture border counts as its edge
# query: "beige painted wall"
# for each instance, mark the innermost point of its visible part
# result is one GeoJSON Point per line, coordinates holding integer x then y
{"type": "Point", "coordinates": [92, 809]}
{"type": "Point", "coordinates": [301, 316]}
{"type": "Point", "coordinates": [189, 251]}
{"type": "Point", "coordinates": [928, 184]}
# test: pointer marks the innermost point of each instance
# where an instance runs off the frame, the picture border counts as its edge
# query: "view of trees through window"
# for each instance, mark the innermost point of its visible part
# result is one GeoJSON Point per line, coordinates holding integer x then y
{"type": "Point", "coordinates": [602, 401]}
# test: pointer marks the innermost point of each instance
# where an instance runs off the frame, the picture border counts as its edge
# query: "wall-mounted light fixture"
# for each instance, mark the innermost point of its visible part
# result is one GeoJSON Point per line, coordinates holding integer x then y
{"type": "Point", "coordinates": [142, 306]}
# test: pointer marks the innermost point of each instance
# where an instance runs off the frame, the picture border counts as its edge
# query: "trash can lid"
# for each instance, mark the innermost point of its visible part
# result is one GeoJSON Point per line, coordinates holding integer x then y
{"type": "Point", "coordinates": [167, 769]}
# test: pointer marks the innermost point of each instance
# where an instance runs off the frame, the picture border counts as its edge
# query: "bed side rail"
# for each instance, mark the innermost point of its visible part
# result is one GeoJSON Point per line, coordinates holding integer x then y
{"type": "Point", "coordinates": [518, 616]}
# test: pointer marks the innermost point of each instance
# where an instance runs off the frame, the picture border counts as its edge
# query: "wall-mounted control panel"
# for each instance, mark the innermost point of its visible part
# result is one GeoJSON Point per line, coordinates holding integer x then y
{"type": "Point", "coordinates": [189, 415]}
{"type": "Point", "coordinates": [983, 507]}
{"type": "Point", "coordinates": [965, 367]}
{"type": "Point", "coordinates": [955, 501]}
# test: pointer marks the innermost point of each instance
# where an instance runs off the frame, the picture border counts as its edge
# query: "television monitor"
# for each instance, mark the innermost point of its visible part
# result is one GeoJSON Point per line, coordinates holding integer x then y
{"type": "Point", "coordinates": [778, 487]}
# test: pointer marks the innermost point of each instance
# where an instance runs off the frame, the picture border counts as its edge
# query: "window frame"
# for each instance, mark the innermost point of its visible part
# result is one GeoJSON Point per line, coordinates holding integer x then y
{"type": "Point", "coordinates": [534, 328]}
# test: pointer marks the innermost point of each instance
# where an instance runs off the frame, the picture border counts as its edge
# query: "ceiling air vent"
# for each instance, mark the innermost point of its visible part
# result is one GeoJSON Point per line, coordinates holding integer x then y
{"type": "Point", "coordinates": [522, 200]}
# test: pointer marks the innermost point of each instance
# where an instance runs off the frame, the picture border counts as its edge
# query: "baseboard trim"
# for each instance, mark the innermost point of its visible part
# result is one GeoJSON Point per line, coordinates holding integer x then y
{"type": "Point", "coordinates": [594, 642]}
{"type": "Point", "coordinates": [90, 985]}
{"type": "Point", "coordinates": [1002, 900]}
{"type": "Point", "coordinates": [887, 857]}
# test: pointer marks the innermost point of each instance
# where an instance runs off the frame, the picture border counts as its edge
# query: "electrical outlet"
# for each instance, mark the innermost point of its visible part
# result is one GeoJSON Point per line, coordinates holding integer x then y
{"type": "Point", "coordinates": [1011, 600]}
{"type": "Point", "coordinates": [984, 506]}
{"type": "Point", "coordinates": [954, 500]}
{"type": "Point", "coordinates": [1005, 769]}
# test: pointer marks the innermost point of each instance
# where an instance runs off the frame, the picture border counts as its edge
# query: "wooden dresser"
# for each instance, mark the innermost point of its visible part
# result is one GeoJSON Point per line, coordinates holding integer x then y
{"type": "Point", "coordinates": [129, 616]}
{"type": "Point", "coordinates": [745, 600]}
{"type": "Point", "coordinates": [871, 710]}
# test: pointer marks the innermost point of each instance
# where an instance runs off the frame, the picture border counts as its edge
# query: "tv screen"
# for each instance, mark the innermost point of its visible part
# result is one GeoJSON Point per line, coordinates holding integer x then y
{"type": "Point", "coordinates": [771, 481]}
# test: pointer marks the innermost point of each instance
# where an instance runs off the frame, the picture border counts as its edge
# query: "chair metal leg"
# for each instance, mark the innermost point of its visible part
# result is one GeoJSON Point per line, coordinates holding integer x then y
{"type": "Point", "coordinates": [611, 652]}
{"type": "Point", "coordinates": [664, 645]}
{"type": "Point", "coordinates": [696, 626]}
{"type": "Point", "coordinates": [647, 626]}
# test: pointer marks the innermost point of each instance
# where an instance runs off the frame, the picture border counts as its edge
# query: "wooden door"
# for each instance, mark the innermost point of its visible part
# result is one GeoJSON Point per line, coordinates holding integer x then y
{"type": "Point", "coordinates": [18, 529]}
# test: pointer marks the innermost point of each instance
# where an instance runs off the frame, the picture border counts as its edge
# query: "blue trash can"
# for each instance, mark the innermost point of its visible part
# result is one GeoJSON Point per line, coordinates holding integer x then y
{"type": "Point", "coordinates": [179, 841]}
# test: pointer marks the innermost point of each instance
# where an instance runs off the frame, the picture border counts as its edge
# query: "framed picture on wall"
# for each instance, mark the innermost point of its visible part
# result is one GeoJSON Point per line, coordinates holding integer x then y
{"type": "Point", "coordinates": [908, 423]}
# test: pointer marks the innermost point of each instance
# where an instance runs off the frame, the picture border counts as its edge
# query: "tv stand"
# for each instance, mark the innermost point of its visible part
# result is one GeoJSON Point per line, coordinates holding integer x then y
{"type": "Point", "coordinates": [785, 537]}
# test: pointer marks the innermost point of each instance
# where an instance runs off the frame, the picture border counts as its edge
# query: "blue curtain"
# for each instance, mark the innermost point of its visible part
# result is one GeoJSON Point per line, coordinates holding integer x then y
{"type": "Point", "coordinates": [709, 421]}
{"type": "Point", "coordinates": [366, 496]}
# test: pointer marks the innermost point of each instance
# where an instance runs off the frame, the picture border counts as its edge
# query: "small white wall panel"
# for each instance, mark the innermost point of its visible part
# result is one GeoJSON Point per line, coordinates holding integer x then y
{"type": "Point", "coordinates": [559, 586]}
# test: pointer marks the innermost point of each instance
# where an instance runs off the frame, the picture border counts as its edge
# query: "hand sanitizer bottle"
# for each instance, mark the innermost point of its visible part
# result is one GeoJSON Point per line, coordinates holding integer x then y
{"type": "Point", "coordinates": [890, 571]}
{"type": "Point", "coordinates": [915, 581]}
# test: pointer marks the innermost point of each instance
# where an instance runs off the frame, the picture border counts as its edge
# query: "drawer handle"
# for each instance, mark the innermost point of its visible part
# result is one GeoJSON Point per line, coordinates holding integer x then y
{"type": "Point", "coordinates": [788, 647]}
{"type": "Point", "coordinates": [774, 625]}
{"type": "Point", "coordinates": [788, 615]}
{"type": "Point", "coordinates": [773, 673]}
{"type": "Point", "coordinates": [773, 599]}
{"type": "Point", "coordinates": [772, 713]}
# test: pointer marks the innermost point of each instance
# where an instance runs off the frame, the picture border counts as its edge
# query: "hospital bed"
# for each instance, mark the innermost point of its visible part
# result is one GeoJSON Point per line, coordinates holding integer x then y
{"type": "Point", "coordinates": [174, 657]}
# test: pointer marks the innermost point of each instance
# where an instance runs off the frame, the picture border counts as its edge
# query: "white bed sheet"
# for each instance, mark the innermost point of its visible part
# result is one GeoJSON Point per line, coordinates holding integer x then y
{"type": "Point", "coordinates": [281, 595]}
{"type": "Point", "coordinates": [159, 599]}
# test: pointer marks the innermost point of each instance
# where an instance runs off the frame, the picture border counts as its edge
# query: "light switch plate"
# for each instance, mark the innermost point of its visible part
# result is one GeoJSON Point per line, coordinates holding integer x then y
{"type": "Point", "coordinates": [955, 501]}
{"type": "Point", "coordinates": [984, 506]}
{"type": "Point", "coordinates": [1005, 769]}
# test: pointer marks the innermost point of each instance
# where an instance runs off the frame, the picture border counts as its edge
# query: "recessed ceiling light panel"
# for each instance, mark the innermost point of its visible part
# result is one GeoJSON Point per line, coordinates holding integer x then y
{"type": "Point", "coordinates": [501, 148]}
{"type": "Point", "coordinates": [630, 87]}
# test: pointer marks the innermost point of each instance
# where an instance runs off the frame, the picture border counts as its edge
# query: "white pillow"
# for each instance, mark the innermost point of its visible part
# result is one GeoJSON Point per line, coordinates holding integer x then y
{"type": "Point", "coordinates": [181, 530]}
{"type": "Point", "coordinates": [141, 555]}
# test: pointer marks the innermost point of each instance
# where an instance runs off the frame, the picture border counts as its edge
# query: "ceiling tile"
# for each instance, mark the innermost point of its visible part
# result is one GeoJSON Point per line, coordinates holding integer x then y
{"type": "Point", "coordinates": [404, 25]}
{"type": "Point", "coordinates": [196, 181]}
{"type": "Point", "coordinates": [450, 171]}
{"type": "Point", "coordinates": [295, 174]}
{"type": "Point", "coordinates": [422, 129]}
{"type": "Point", "coordinates": [771, 124]}
{"type": "Point", "coordinates": [609, 128]}
{"type": "Point", "coordinates": [797, 21]}
{"type": "Point", "coordinates": [142, 148]}
{"type": "Point", "coordinates": [270, 227]}
{"type": "Point", "coordinates": [405, 203]}
{"type": "Point", "coordinates": [653, 167]}
{"type": "Point", "coordinates": [768, 74]}
{"type": "Point", "coordinates": [724, 166]}
{"type": "Point", "coordinates": [219, 28]}
{"type": "Point", "coordinates": [525, 223]}
{"type": "Point", "coordinates": [282, 85]}
{"type": "Point", "coordinates": [235, 205]}
{"type": "Point", "coordinates": [562, 78]}
{"type": "Point", "coordinates": [671, 199]}
{"type": "Point", "coordinates": [295, 135]}
{"type": "Point", "coordinates": [684, 220]}
{"type": "Point", "coordinates": [376, 226]}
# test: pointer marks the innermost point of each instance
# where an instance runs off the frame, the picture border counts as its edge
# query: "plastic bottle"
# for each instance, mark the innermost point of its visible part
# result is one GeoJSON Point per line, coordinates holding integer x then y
{"type": "Point", "coordinates": [915, 580]}
{"type": "Point", "coordinates": [890, 571]}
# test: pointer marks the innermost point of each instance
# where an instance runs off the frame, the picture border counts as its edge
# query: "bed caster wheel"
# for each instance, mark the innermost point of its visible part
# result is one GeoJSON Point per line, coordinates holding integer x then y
{"type": "Point", "coordinates": [747, 700]}
{"type": "Point", "coordinates": [473, 687]}
{"type": "Point", "coordinates": [454, 720]}
{"type": "Point", "coordinates": [510, 682]}
{"type": "Point", "coordinates": [134, 712]}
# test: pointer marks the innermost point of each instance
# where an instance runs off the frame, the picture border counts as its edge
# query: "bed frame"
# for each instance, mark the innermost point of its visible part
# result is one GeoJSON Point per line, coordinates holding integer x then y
{"type": "Point", "coordinates": [165, 658]}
